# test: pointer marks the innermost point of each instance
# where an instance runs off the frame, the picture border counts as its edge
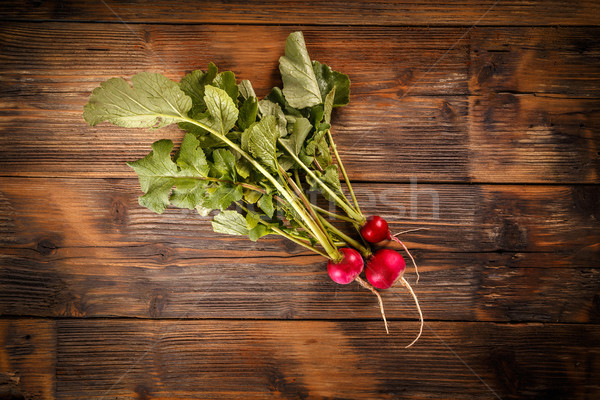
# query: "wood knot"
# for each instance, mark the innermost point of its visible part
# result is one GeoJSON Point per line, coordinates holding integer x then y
{"type": "Point", "coordinates": [447, 111]}
{"type": "Point", "coordinates": [486, 72]}
{"type": "Point", "coordinates": [118, 212]}
{"type": "Point", "coordinates": [512, 236]}
{"type": "Point", "coordinates": [157, 304]}
{"type": "Point", "coordinates": [143, 393]}
{"type": "Point", "coordinates": [586, 200]}
{"type": "Point", "coordinates": [46, 247]}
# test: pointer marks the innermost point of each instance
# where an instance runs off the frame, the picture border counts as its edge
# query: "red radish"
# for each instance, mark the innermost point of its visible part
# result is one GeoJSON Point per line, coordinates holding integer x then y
{"type": "Point", "coordinates": [376, 229]}
{"type": "Point", "coordinates": [384, 269]}
{"type": "Point", "coordinates": [348, 268]}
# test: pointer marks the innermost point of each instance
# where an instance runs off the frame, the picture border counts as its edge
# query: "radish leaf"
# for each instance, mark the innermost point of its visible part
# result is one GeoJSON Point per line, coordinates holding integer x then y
{"type": "Point", "coordinates": [222, 111]}
{"type": "Point", "coordinates": [260, 140]}
{"type": "Point", "coordinates": [300, 86]}
{"type": "Point", "coordinates": [153, 102]}
{"type": "Point", "coordinates": [266, 204]}
{"type": "Point", "coordinates": [328, 79]}
{"type": "Point", "coordinates": [193, 85]}
{"type": "Point", "coordinates": [230, 222]}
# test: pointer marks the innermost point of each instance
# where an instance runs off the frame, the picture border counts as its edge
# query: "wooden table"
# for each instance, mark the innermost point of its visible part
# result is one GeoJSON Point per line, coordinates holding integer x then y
{"type": "Point", "coordinates": [478, 120]}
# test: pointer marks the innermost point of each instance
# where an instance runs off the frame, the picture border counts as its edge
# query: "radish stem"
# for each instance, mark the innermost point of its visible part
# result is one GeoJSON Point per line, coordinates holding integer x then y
{"type": "Point", "coordinates": [351, 212]}
{"type": "Point", "coordinates": [346, 179]}
{"type": "Point", "coordinates": [286, 235]}
{"type": "Point", "coordinates": [364, 250]}
{"type": "Point", "coordinates": [321, 236]}
{"type": "Point", "coordinates": [332, 214]}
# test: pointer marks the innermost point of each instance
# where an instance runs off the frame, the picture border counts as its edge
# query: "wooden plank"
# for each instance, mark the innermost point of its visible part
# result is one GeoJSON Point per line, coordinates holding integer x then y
{"type": "Point", "coordinates": [388, 12]}
{"type": "Point", "coordinates": [317, 359]}
{"type": "Point", "coordinates": [27, 359]}
{"type": "Point", "coordinates": [498, 253]}
{"type": "Point", "coordinates": [532, 60]}
{"type": "Point", "coordinates": [528, 137]}
{"type": "Point", "coordinates": [133, 282]}
{"type": "Point", "coordinates": [408, 112]}
{"type": "Point", "coordinates": [133, 359]}
{"type": "Point", "coordinates": [95, 212]}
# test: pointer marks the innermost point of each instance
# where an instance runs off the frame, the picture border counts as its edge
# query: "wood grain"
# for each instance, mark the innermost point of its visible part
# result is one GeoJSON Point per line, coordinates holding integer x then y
{"type": "Point", "coordinates": [492, 252]}
{"type": "Point", "coordinates": [153, 281]}
{"type": "Point", "coordinates": [528, 120]}
{"type": "Point", "coordinates": [477, 119]}
{"type": "Point", "coordinates": [110, 358]}
{"type": "Point", "coordinates": [387, 12]}
{"type": "Point", "coordinates": [27, 359]}
{"type": "Point", "coordinates": [86, 212]}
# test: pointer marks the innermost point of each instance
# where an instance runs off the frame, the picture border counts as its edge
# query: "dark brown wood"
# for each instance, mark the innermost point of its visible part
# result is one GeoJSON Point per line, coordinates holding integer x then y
{"type": "Point", "coordinates": [476, 119]}
{"type": "Point", "coordinates": [90, 250]}
{"type": "Point", "coordinates": [98, 359]}
{"type": "Point", "coordinates": [27, 359]}
{"type": "Point", "coordinates": [159, 281]}
{"type": "Point", "coordinates": [472, 218]}
{"type": "Point", "coordinates": [529, 119]}
{"type": "Point", "coordinates": [354, 12]}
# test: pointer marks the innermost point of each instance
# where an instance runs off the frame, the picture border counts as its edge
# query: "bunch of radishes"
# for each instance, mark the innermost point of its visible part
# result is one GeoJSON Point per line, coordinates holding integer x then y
{"type": "Point", "coordinates": [259, 156]}
{"type": "Point", "coordinates": [384, 269]}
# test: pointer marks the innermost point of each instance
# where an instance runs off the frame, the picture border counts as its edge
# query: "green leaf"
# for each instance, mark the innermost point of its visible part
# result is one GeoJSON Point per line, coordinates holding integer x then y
{"type": "Point", "coordinates": [276, 96]}
{"type": "Point", "coordinates": [260, 139]}
{"type": "Point", "coordinates": [245, 89]}
{"type": "Point", "coordinates": [316, 114]}
{"type": "Point", "coordinates": [153, 101]}
{"type": "Point", "coordinates": [223, 164]}
{"type": "Point", "coordinates": [222, 111]}
{"type": "Point", "coordinates": [327, 79]}
{"type": "Point", "coordinates": [331, 178]}
{"type": "Point", "coordinates": [252, 219]}
{"type": "Point", "coordinates": [258, 231]}
{"type": "Point", "coordinates": [318, 147]}
{"type": "Point", "coordinates": [266, 204]}
{"type": "Point", "coordinates": [230, 222]}
{"type": "Point", "coordinates": [267, 107]}
{"type": "Point", "coordinates": [300, 131]}
{"type": "Point", "coordinates": [248, 113]}
{"type": "Point", "coordinates": [243, 167]}
{"type": "Point", "coordinates": [251, 196]}
{"type": "Point", "coordinates": [158, 174]}
{"type": "Point", "coordinates": [191, 159]}
{"type": "Point", "coordinates": [222, 197]}
{"type": "Point", "coordinates": [193, 85]}
{"type": "Point", "coordinates": [226, 81]}
{"type": "Point", "coordinates": [188, 193]}
{"type": "Point", "coordinates": [300, 85]}
{"type": "Point", "coordinates": [202, 211]}
{"type": "Point", "coordinates": [328, 106]}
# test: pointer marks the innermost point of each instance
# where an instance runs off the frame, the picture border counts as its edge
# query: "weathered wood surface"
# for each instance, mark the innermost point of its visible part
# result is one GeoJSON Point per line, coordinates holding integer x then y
{"type": "Point", "coordinates": [91, 250]}
{"type": "Point", "coordinates": [488, 135]}
{"type": "Point", "coordinates": [353, 12]}
{"type": "Point", "coordinates": [177, 359]}
{"type": "Point", "coordinates": [454, 106]}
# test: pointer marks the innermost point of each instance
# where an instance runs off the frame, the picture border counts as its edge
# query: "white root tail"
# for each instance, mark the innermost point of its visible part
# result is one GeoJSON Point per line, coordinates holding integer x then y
{"type": "Point", "coordinates": [407, 285]}
{"type": "Point", "coordinates": [395, 239]}
{"type": "Point", "coordinates": [368, 286]}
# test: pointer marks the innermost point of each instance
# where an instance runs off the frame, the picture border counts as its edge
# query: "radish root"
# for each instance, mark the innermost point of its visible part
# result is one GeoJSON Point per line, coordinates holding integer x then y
{"type": "Point", "coordinates": [407, 285]}
{"type": "Point", "coordinates": [368, 286]}
{"type": "Point", "coordinates": [395, 239]}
